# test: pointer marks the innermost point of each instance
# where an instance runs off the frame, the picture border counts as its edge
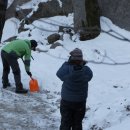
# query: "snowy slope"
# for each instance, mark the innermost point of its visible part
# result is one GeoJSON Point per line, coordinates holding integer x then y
{"type": "Point", "coordinates": [108, 100]}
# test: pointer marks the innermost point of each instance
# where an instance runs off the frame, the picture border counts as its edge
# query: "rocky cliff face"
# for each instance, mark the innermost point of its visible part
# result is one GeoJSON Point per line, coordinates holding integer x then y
{"type": "Point", "coordinates": [117, 11]}
{"type": "Point", "coordinates": [11, 11]}
{"type": "Point", "coordinates": [45, 9]}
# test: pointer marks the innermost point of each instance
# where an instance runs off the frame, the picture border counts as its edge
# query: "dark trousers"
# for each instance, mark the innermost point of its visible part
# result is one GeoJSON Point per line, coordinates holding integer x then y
{"type": "Point", "coordinates": [10, 61]}
{"type": "Point", "coordinates": [72, 114]}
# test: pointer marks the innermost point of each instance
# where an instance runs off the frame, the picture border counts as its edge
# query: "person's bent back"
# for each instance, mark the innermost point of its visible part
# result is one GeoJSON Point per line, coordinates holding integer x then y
{"type": "Point", "coordinates": [10, 53]}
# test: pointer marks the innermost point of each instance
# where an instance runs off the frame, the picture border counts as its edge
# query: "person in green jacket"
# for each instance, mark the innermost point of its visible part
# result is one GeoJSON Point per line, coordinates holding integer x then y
{"type": "Point", "coordinates": [10, 54]}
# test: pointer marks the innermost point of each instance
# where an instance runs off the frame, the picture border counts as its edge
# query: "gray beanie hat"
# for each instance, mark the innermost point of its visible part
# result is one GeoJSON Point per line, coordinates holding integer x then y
{"type": "Point", "coordinates": [76, 54]}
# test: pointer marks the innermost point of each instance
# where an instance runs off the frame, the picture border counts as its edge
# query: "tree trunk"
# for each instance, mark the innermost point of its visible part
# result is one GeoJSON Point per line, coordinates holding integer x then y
{"type": "Point", "coordinates": [92, 13]}
{"type": "Point", "coordinates": [86, 18]}
{"type": "Point", "coordinates": [3, 6]}
{"type": "Point", "coordinates": [79, 14]}
{"type": "Point", "coordinates": [92, 26]}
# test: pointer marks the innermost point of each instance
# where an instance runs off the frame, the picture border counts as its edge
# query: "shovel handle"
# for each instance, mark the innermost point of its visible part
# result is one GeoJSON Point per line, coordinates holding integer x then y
{"type": "Point", "coordinates": [31, 77]}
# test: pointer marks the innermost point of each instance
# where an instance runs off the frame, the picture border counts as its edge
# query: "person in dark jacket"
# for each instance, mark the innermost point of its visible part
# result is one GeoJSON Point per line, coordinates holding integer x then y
{"type": "Point", "coordinates": [10, 54]}
{"type": "Point", "coordinates": [75, 76]}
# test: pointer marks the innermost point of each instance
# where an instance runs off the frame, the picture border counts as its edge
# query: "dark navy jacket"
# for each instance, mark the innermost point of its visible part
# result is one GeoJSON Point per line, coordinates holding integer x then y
{"type": "Point", "coordinates": [75, 82]}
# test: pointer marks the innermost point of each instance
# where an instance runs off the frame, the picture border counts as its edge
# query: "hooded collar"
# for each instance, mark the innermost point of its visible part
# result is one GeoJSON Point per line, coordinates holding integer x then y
{"type": "Point", "coordinates": [28, 42]}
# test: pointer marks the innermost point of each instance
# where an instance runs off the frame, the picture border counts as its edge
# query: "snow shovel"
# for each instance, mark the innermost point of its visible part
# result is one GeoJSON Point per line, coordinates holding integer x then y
{"type": "Point", "coordinates": [33, 85]}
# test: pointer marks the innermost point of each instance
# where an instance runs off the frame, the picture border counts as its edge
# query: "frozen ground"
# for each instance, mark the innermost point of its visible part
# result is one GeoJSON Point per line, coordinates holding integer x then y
{"type": "Point", "coordinates": [28, 112]}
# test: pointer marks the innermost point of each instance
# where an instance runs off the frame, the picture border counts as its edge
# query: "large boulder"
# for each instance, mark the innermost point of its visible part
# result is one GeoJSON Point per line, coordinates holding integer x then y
{"type": "Point", "coordinates": [48, 9]}
{"type": "Point", "coordinates": [11, 11]}
{"type": "Point", "coordinates": [118, 11]}
{"type": "Point", "coordinates": [53, 38]}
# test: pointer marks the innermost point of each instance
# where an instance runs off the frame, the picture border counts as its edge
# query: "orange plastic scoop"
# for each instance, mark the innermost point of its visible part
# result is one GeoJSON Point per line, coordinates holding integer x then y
{"type": "Point", "coordinates": [33, 84]}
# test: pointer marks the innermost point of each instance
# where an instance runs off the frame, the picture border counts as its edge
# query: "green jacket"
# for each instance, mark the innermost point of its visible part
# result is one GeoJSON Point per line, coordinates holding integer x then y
{"type": "Point", "coordinates": [20, 48]}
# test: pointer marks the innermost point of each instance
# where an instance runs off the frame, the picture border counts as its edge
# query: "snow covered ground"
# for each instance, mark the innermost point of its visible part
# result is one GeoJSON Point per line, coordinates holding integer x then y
{"type": "Point", "coordinates": [108, 99]}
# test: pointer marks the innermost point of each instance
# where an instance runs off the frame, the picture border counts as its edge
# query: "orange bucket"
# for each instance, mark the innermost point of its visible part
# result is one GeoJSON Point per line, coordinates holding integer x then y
{"type": "Point", "coordinates": [33, 84]}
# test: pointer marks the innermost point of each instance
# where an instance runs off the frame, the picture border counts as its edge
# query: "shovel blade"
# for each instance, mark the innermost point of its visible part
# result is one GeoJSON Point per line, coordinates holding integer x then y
{"type": "Point", "coordinates": [33, 84]}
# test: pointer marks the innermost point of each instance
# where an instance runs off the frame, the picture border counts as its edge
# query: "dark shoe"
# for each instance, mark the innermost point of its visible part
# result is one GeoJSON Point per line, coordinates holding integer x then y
{"type": "Point", "coordinates": [21, 90]}
{"type": "Point", "coordinates": [6, 85]}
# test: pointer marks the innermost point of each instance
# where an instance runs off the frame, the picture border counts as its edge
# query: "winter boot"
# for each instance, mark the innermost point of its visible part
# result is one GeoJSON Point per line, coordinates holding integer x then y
{"type": "Point", "coordinates": [5, 85]}
{"type": "Point", "coordinates": [21, 90]}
